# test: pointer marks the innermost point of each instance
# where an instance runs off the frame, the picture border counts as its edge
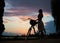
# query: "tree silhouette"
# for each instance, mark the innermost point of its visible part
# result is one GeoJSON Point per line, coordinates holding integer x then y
{"type": "Point", "coordinates": [2, 5]}
{"type": "Point", "coordinates": [55, 7]}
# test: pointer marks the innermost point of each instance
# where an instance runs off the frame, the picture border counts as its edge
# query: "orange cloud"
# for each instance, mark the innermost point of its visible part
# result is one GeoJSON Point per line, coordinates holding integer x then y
{"type": "Point", "coordinates": [5, 20]}
{"type": "Point", "coordinates": [46, 14]}
{"type": "Point", "coordinates": [24, 18]}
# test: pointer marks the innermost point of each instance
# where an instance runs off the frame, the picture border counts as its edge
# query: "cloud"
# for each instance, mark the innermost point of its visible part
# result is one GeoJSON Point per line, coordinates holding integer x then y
{"type": "Point", "coordinates": [5, 21]}
{"type": "Point", "coordinates": [50, 27]}
{"type": "Point", "coordinates": [17, 11]}
{"type": "Point", "coordinates": [44, 4]}
{"type": "Point", "coordinates": [25, 18]}
{"type": "Point", "coordinates": [26, 7]}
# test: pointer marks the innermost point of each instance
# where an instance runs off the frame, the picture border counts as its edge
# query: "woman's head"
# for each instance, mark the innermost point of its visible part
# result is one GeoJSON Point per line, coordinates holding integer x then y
{"type": "Point", "coordinates": [40, 11]}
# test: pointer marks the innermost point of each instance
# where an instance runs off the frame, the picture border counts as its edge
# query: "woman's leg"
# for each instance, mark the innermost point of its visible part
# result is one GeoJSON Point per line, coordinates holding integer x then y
{"type": "Point", "coordinates": [44, 31]}
{"type": "Point", "coordinates": [34, 29]}
{"type": "Point", "coordinates": [29, 31]}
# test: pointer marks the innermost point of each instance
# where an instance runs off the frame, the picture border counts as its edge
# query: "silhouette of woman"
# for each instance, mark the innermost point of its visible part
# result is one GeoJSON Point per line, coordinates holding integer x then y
{"type": "Point", "coordinates": [41, 29]}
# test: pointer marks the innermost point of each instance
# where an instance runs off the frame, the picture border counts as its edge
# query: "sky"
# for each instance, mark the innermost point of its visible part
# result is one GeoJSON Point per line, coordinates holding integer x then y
{"type": "Point", "coordinates": [17, 12]}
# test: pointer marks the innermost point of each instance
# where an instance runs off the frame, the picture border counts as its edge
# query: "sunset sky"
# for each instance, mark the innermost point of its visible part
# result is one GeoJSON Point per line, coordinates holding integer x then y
{"type": "Point", "coordinates": [17, 13]}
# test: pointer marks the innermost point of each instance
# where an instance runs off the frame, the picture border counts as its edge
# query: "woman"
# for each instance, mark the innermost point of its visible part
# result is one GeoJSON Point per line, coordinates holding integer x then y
{"type": "Point", "coordinates": [41, 28]}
